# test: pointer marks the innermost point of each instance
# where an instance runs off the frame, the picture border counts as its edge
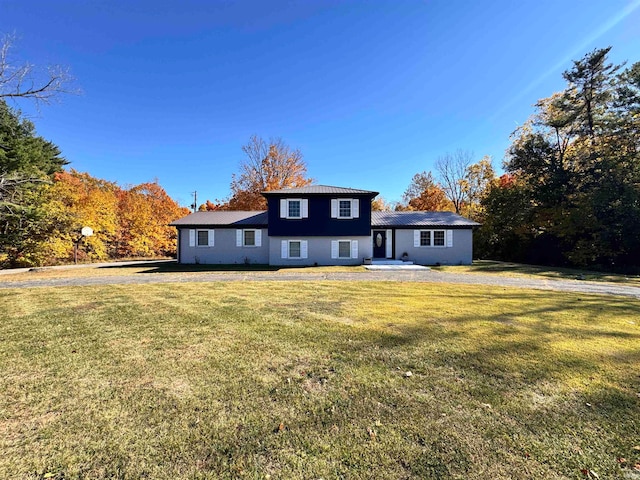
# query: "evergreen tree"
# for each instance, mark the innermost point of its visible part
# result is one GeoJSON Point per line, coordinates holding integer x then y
{"type": "Point", "coordinates": [27, 163]}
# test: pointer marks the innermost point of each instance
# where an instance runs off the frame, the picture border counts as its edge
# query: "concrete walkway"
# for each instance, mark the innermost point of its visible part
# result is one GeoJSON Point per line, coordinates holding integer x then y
{"type": "Point", "coordinates": [431, 276]}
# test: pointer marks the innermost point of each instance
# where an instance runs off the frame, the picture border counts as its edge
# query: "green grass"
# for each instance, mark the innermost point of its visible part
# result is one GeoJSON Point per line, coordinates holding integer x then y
{"type": "Point", "coordinates": [307, 380]}
{"type": "Point", "coordinates": [160, 268]}
{"type": "Point", "coordinates": [539, 271]}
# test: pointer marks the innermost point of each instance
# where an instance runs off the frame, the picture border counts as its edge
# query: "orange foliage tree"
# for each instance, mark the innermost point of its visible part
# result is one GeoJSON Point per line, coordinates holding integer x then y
{"type": "Point", "coordinates": [145, 212]}
{"type": "Point", "coordinates": [380, 205]}
{"type": "Point", "coordinates": [268, 166]}
{"type": "Point", "coordinates": [126, 222]}
{"type": "Point", "coordinates": [83, 201]}
{"type": "Point", "coordinates": [431, 199]}
{"type": "Point", "coordinates": [425, 193]}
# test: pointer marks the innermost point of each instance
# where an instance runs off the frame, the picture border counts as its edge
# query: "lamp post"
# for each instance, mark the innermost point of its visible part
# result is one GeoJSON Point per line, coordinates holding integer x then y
{"type": "Point", "coordinates": [84, 232]}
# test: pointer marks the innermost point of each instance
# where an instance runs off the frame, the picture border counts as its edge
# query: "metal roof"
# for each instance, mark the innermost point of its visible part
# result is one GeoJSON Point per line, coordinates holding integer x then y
{"type": "Point", "coordinates": [420, 219]}
{"type": "Point", "coordinates": [320, 190]}
{"type": "Point", "coordinates": [378, 219]}
{"type": "Point", "coordinates": [223, 218]}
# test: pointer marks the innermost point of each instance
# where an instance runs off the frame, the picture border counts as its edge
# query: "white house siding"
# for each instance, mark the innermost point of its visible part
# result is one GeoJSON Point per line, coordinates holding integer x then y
{"type": "Point", "coordinates": [319, 251]}
{"type": "Point", "coordinates": [460, 253]}
{"type": "Point", "coordinates": [224, 250]}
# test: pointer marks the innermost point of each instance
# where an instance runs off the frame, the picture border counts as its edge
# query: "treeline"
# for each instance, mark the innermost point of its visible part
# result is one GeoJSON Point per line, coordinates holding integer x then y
{"type": "Point", "coordinates": [571, 195]}
{"type": "Point", "coordinates": [459, 185]}
{"type": "Point", "coordinates": [571, 192]}
{"type": "Point", "coordinates": [43, 206]}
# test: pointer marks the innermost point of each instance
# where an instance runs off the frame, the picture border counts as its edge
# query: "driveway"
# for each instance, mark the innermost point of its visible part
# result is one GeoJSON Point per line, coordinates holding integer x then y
{"type": "Point", "coordinates": [602, 288]}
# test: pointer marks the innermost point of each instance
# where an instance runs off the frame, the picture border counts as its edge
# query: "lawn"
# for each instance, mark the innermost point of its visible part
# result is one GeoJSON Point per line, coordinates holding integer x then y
{"type": "Point", "coordinates": [70, 271]}
{"type": "Point", "coordinates": [510, 269]}
{"type": "Point", "coordinates": [310, 380]}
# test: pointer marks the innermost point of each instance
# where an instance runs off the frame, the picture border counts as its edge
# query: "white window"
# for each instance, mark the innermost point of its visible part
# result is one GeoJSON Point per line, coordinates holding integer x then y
{"type": "Point", "coordinates": [249, 237]}
{"type": "Point", "coordinates": [201, 238]}
{"type": "Point", "coordinates": [345, 208]}
{"type": "Point", "coordinates": [433, 238]}
{"type": "Point", "coordinates": [438, 238]}
{"type": "Point", "coordinates": [294, 208]}
{"type": "Point", "coordinates": [344, 249]}
{"type": "Point", "coordinates": [294, 249]}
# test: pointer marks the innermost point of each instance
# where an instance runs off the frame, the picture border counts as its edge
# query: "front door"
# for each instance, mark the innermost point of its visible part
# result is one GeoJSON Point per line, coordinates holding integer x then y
{"type": "Point", "coordinates": [379, 244]}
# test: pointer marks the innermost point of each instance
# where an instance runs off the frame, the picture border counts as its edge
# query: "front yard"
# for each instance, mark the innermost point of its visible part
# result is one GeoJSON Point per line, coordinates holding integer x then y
{"type": "Point", "coordinates": [310, 380]}
{"type": "Point", "coordinates": [493, 267]}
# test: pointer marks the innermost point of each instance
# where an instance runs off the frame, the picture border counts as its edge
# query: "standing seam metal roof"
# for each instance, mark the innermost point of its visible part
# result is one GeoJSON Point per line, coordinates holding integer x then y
{"type": "Point", "coordinates": [223, 218]}
{"type": "Point", "coordinates": [320, 190]}
{"type": "Point", "coordinates": [420, 219]}
{"type": "Point", "coordinates": [378, 219]}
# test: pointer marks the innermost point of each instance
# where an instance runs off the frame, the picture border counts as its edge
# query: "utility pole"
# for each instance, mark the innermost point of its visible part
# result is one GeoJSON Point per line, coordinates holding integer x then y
{"type": "Point", "coordinates": [194, 205]}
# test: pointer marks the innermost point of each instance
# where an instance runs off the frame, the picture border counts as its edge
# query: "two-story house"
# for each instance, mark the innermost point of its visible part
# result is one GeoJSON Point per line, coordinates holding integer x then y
{"type": "Point", "coordinates": [322, 225]}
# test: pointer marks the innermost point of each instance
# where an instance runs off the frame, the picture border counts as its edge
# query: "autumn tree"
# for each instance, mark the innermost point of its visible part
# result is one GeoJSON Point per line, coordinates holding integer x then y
{"type": "Point", "coordinates": [268, 165]}
{"type": "Point", "coordinates": [432, 199]}
{"type": "Point", "coordinates": [477, 181]}
{"type": "Point", "coordinates": [210, 206]}
{"type": "Point", "coordinates": [424, 193]}
{"type": "Point", "coordinates": [145, 212]}
{"type": "Point", "coordinates": [126, 222]}
{"type": "Point", "coordinates": [380, 205]}
{"type": "Point", "coordinates": [452, 171]}
{"type": "Point", "coordinates": [79, 200]}
{"type": "Point", "coordinates": [459, 187]}
{"type": "Point", "coordinates": [419, 183]}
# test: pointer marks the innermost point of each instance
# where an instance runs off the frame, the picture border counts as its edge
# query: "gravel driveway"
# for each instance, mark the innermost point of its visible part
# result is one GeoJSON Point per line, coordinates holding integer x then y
{"type": "Point", "coordinates": [383, 276]}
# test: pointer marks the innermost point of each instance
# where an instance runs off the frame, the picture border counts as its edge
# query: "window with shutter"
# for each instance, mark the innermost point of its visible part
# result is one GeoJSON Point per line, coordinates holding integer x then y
{"type": "Point", "coordinates": [295, 250]}
{"type": "Point", "coordinates": [294, 208]}
{"type": "Point", "coordinates": [344, 249]}
{"type": "Point", "coordinates": [203, 238]}
{"type": "Point", "coordinates": [425, 238]}
{"type": "Point", "coordinates": [344, 208]}
{"type": "Point", "coordinates": [249, 238]}
{"type": "Point", "coordinates": [432, 238]}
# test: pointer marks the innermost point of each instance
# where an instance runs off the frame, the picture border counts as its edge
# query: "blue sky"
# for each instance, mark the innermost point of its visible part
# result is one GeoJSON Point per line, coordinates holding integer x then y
{"type": "Point", "coordinates": [370, 92]}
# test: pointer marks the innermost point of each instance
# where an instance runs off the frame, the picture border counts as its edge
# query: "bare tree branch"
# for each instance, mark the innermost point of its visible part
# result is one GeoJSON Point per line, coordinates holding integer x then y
{"type": "Point", "coordinates": [452, 169]}
{"type": "Point", "coordinates": [28, 81]}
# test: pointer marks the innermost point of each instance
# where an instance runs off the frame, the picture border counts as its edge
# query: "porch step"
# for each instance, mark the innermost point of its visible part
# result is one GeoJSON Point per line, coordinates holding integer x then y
{"type": "Point", "coordinates": [381, 261]}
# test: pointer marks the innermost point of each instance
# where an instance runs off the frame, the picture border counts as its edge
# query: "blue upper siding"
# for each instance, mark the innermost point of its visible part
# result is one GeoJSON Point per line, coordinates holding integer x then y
{"type": "Point", "coordinates": [319, 223]}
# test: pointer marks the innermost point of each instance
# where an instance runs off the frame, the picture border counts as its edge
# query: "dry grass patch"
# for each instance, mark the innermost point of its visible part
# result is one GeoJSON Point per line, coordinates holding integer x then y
{"type": "Point", "coordinates": [308, 380]}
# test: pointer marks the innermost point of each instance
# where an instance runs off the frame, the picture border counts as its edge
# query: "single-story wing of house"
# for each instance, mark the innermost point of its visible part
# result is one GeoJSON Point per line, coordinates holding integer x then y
{"type": "Point", "coordinates": [323, 225]}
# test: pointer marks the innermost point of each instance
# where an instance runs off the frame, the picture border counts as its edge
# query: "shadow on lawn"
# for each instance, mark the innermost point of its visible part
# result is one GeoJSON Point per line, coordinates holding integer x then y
{"type": "Point", "coordinates": [498, 267]}
{"type": "Point", "coordinates": [526, 341]}
{"type": "Point", "coordinates": [174, 267]}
